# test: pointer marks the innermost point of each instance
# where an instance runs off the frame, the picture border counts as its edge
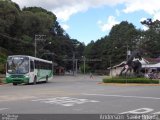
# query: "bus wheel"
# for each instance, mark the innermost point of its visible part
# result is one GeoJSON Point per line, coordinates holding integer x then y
{"type": "Point", "coordinates": [46, 79]}
{"type": "Point", "coordinates": [14, 83]}
{"type": "Point", "coordinates": [35, 80]}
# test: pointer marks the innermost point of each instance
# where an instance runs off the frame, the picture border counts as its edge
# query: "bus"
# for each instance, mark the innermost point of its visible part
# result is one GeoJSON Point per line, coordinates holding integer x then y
{"type": "Point", "coordinates": [28, 69]}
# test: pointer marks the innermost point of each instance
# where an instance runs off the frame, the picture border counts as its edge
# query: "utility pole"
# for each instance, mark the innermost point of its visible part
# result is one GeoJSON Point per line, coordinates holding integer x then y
{"type": "Point", "coordinates": [73, 62]}
{"type": "Point", "coordinates": [128, 52]}
{"type": "Point", "coordinates": [84, 59]}
{"type": "Point", "coordinates": [84, 64]}
{"type": "Point", "coordinates": [38, 38]}
{"type": "Point", "coordinates": [76, 65]}
{"type": "Point", "coordinates": [73, 59]}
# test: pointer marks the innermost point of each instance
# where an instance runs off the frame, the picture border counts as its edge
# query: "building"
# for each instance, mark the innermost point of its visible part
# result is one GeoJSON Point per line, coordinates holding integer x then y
{"type": "Point", "coordinates": [148, 64]}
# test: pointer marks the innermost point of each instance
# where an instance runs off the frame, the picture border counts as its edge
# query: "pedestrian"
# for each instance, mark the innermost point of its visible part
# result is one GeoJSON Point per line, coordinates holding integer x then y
{"type": "Point", "coordinates": [91, 75]}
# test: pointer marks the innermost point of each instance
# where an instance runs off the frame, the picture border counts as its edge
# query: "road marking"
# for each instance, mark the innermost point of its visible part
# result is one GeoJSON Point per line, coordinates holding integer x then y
{"type": "Point", "coordinates": [142, 111]}
{"type": "Point", "coordinates": [153, 98]}
{"type": "Point", "coordinates": [15, 97]}
{"type": "Point", "coordinates": [65, 101]}
{"type": "Point", "coordinates": [3, 109]}
{"type": "Point", "coordinates": [139, 111]}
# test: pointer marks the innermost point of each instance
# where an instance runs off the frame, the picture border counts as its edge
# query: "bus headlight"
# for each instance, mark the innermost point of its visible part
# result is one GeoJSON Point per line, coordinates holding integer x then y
{"type": "Point", "coordinates": [27, 76]}
{"type": "Point", "coordinates": [7, 75]}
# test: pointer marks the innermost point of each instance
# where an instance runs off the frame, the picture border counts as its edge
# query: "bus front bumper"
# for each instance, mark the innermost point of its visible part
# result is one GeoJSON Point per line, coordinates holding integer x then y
{"type": "Point", "coordinates": [17, 80]}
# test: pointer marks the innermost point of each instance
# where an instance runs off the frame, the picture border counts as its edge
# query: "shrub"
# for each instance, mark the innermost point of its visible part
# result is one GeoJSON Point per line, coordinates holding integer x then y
{"type": "Point", "coordinates": [130, 80]}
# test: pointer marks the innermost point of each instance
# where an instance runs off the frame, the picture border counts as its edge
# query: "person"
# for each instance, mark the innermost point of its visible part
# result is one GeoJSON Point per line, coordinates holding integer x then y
{"type": "Point", "coordinates": [91, 75]}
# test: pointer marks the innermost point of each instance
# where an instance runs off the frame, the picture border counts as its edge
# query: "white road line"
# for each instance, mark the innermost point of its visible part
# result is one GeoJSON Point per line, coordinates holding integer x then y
{"type": "Point", "coordinates": [65, 101]}
{"type": "Point", "coordinates": [140, 97]}
{"type": "Point", "coordinates": [3, 108]}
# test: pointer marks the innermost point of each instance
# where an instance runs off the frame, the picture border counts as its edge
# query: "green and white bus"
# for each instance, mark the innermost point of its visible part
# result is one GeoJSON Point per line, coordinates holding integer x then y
{"type": "Point", "coordinates": [27, 69]}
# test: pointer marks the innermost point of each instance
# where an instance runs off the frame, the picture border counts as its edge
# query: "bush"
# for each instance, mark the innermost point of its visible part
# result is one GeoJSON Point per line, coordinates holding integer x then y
{"type": "Point", "coordinates": [130, 80]}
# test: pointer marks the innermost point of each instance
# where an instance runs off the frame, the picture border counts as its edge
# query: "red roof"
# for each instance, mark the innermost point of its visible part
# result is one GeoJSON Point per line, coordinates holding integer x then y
{"type": "Point", "coordinates": [153, 60]}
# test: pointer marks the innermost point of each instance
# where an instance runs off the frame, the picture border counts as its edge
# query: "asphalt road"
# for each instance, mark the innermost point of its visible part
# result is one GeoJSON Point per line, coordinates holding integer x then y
{"type": "Point", "coordinates": [79, 95]}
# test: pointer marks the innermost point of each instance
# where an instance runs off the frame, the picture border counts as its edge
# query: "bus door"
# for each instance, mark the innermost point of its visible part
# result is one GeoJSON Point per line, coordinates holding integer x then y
{"type": "Point", "coordinates": [32, 73]}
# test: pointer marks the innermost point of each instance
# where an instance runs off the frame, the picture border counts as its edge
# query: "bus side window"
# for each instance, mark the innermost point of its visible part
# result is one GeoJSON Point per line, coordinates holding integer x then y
{"type": "Point", "coordinates": [31, 66]}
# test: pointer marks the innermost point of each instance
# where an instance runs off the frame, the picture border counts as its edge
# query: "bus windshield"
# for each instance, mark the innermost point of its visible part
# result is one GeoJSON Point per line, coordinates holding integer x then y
{"type": "Point", "coordinates": [17, 65]}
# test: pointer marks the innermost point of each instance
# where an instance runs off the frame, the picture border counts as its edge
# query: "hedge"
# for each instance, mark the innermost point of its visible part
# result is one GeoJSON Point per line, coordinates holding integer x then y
{"type": "Point", "coordinates": [130, 80]}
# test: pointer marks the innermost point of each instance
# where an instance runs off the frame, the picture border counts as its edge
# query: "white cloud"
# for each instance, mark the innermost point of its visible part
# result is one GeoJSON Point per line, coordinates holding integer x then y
{"type": "Point", "coordinates": [110, 23]}
{"type": "Point", "coordinates": [65, 26]}
{"type": "Point", "coordinates": [145, 28]}
{"type": "Point", "coordinates": [64, 13]}
{"type": "Point", "coordinates": [65, 8]}
{"type": "Point", "coordinates": [151, 7]}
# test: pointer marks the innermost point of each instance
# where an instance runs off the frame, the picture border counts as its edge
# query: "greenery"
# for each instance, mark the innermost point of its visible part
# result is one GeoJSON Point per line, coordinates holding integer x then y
{"type": "Point", "coordinates": [112, 48]}
{"type": "Point", "coordinates": [18, 28]}
{"type": "Point", "coordinates": [130, 80]}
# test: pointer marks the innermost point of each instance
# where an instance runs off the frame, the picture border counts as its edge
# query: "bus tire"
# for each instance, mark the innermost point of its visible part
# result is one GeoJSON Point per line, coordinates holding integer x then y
{"type": "Point", "coordinates": [14, 83]}
{"type": "Point", "coordinates": [35, 80]}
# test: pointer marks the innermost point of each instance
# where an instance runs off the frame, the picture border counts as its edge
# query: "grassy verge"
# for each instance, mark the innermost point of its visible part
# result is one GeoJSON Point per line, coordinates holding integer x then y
{"type": "Point", "coordinates": [130, 80]}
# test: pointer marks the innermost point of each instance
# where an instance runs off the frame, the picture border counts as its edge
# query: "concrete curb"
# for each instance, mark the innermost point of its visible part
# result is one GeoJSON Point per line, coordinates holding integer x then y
{"type": "Point", "coordinates": [2, 84]}
{"type": "Point", "coordinates": [126, 84]}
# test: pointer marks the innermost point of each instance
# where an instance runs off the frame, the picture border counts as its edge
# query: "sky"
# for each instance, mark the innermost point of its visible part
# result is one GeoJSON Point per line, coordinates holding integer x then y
{"type": "Point", "coordinates": [87, 20]}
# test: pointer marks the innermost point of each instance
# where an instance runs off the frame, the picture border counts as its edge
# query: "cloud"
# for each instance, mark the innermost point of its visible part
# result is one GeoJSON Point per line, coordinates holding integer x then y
{"type": "Point", "coordinates": [64, 13]}
{"type": "Point", "coordinates": [151, 7]}
{"type": "Point", "coordinates": [107, 26]}
{"type": "Point", "coordinates": [65, 26]}
{"type": "Point", "coordinates": [64, 9]}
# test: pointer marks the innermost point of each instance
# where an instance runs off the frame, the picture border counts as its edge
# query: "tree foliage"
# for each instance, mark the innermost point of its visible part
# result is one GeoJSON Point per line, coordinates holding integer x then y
{"type": "Point", "coordinates": [19, 27]}
{"type": "Point", "coordinates": [112, 49]}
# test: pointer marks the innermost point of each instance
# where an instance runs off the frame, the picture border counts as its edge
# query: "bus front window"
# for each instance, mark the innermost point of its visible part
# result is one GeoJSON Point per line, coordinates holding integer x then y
{"type": "Point", "coordinates": [18, 65]}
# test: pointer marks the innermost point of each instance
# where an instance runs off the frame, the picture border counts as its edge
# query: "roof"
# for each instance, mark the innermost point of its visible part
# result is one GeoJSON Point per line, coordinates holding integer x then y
{"type": "Point", "coordinates": [119, 65]}
{"type": "Point", "coordinates": [143, 62]}
{"type": "Point", "coordinates": [146, 63]}
{"type": "Point", "coordinates": [153, 60]}
{"type": "Point", "coordinates": [157, 65]}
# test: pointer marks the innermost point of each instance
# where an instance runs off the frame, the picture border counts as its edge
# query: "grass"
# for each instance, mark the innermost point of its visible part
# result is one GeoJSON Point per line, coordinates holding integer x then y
{"type": "Point", "coordinates": [130, 80]}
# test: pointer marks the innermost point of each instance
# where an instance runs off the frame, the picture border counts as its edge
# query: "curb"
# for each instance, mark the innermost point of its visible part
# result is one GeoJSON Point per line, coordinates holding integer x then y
{"type": "Point", "coordinates": [127, 84]}
{"type": "Point", "coordinates": [2, 84]}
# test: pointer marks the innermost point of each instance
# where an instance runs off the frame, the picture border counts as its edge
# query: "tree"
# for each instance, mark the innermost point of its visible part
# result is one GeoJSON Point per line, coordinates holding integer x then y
{"type": "Point", "coordinates": [151, 41]}
{"type": "Point", "coordinates": [8, 13]}
{"type": "Point", "coordinates": [112, 49]}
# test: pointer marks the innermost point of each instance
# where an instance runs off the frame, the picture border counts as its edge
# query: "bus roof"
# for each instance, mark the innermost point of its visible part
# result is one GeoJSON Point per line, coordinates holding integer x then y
{"type": "Point", "coordinates": [31, 57]}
